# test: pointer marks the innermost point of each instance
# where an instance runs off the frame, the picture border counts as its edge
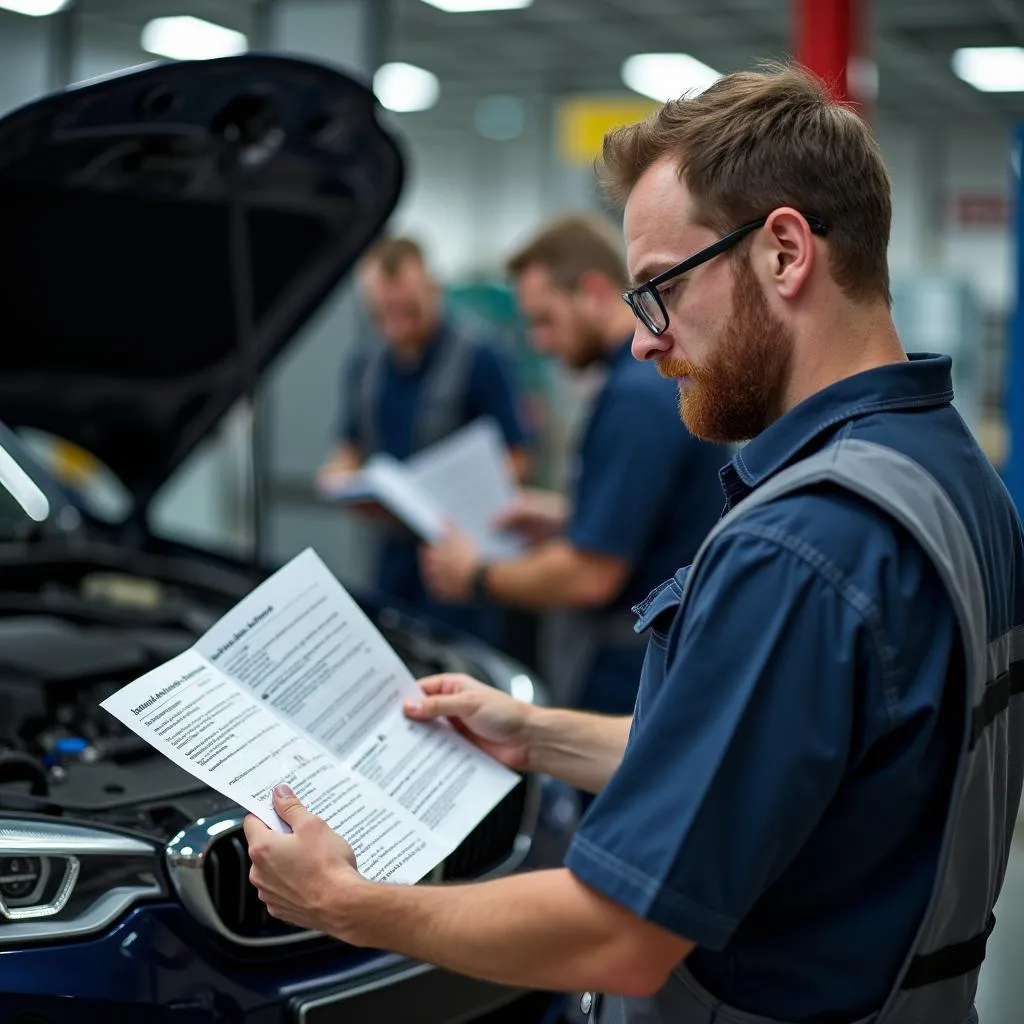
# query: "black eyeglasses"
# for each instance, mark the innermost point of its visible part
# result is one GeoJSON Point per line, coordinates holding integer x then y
{"type": "Point", "coordinates": [645, 300]}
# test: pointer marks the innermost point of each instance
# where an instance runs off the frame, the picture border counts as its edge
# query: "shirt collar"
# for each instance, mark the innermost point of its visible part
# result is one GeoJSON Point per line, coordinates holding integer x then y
{"type": "Point", "coordinates": [924, 380]}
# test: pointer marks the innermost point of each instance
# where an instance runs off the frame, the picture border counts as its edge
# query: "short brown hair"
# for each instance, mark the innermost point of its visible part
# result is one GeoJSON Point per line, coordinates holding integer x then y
{"type": "Point", "coordinates": [570, 247]}
{"type": "Point", "coordinates": [755, 141]}
{"type": "Point", "coordinates": [390, 252]}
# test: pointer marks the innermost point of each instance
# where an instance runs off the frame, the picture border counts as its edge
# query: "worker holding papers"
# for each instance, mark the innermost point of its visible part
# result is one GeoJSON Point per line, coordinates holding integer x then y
{"type": "Point", "coordinates": [423, 370]}
{"type": "Point", "coordinates": [464, 481]}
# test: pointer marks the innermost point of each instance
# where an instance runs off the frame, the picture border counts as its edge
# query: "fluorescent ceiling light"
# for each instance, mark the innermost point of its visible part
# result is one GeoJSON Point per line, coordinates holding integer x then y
{"type": "Point", "coordinates": [666, 76]}
{"type": "Point", "coordinates": [34, 8]}
{"type": "Point", "coordinates": [991, 68]}
{"type": "Point", "coordinates": [405, 88]}
{"type": "Point", "coordinates": [473, 6]}
{"type": "Point", "coordinates": [186, 38]}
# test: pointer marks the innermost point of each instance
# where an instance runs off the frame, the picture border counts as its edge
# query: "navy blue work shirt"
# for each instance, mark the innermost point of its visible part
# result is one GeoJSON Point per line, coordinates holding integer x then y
{"type": "Point", "coordinates": [490, 391]}
{"type": "Point", "coordinates": [784, 789]}
{"type": "Point", "coordinates": [645, 490]}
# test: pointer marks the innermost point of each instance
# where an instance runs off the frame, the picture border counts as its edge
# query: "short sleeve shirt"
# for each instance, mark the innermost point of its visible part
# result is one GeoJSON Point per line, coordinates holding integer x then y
{"type": "Point", "coordinates": [783, 793]}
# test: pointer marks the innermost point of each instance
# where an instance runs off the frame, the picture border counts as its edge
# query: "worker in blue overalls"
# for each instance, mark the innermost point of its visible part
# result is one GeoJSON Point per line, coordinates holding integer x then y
{"type": "Point", "coordinates": [426, 373]}
{"type": "Point", "coordinates": [643, 492]}
{"type": "Point", "coordinates": [808, 816]}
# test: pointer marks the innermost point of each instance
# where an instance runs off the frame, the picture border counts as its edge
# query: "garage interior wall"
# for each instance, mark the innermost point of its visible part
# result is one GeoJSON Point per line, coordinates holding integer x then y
{"type": "Point", "coordinates": [471, 199]}
{"type": "Point", "coordinates": [474, 199]}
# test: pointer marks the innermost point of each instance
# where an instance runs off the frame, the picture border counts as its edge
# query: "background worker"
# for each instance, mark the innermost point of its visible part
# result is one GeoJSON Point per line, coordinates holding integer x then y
{"type": "Point", "coordinates": [426, 373]}
{"type": "Point", "coordinates": [643, 492]}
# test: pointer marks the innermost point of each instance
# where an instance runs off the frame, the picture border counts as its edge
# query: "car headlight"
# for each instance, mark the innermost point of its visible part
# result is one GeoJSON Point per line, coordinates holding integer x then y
{"type": "Point", "coordinates": [62, 881]}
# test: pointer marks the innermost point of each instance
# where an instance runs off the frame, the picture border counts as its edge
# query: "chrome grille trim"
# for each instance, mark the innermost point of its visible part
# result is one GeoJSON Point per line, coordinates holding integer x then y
{"type": "Point", "coordinates": [187, 855]}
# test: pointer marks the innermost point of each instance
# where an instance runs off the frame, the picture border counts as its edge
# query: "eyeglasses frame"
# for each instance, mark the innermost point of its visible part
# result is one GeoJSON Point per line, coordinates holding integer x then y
{"type": "Point", "coordinates": [817, 225]}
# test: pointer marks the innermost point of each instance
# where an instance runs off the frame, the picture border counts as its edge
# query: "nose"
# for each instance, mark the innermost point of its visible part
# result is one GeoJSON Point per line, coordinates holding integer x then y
{"type": "Point", "coordinates": [647, 345]}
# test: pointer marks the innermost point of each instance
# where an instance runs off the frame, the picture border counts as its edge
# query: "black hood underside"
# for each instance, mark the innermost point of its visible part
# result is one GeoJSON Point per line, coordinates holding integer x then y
{"type": "Point", "coordinates": [166, 233]}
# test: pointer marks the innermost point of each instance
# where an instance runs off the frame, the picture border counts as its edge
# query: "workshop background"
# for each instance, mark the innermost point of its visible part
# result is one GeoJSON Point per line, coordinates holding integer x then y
{"type": "Point", "coordinates": [501, 106]}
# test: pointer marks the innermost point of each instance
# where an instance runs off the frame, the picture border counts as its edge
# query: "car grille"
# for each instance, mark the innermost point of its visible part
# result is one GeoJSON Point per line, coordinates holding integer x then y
{"type": "Point", "coordinates": [491, 842]}
{"type": "Point", "coordinates": [242, 916]}
{"type": "Point", "coordinates": [241, 911]}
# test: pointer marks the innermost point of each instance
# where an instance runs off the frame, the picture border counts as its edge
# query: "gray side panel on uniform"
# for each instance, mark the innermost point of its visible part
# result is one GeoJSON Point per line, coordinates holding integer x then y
{"type": "Point", "coordinates": [443, 397]}
{"type": "Point", "coordinates": [991, 763]}
{"type": "Point", "coordinates": [368, 400]}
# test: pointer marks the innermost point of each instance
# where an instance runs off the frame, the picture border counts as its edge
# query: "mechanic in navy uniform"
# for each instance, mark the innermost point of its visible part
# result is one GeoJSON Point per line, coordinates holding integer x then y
{"type": "Point", "coordinates": [425, 373]}
{"type": "Point", "coordinates": [643, 492]}
{"type": "Point", "coordinates": [809, 814]}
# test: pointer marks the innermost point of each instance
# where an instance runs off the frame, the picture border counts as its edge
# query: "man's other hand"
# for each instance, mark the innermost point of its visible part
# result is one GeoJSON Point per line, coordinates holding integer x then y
{"type": "Point", "coordinates": [535, 514]}
{"type": "Point", "coordinates": [448, 566]}
{"type": "Point", "coordinates": [494, 721]}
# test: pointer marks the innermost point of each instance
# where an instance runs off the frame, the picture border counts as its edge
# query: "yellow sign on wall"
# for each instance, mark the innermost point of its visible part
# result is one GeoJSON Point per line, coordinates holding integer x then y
{"type": "Point", "coordinates": [583, 121]}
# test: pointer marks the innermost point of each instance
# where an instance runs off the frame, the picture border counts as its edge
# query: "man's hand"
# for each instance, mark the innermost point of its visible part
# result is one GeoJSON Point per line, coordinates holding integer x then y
{"type": "Point", "coordinates": [330, 478]}
{"type": "Point", "coordinates": [448, 566]}
{"type": "Point", "coordinates": [535, 514]}
{"type": "Point", "coordinates": [303, 878]}
{"type": "Point", "coordinates": [338, 469]}
{"type": "Point", "coordinates": [494, 721]}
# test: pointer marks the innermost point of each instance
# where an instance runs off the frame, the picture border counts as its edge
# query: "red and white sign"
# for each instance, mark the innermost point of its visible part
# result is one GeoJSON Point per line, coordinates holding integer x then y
{"type": "Point", "coordinates": [981, 210]}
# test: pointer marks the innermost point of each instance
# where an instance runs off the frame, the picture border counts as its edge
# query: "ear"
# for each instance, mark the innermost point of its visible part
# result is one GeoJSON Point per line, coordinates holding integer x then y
{"type": "Point", "coordinates": [785, 252]}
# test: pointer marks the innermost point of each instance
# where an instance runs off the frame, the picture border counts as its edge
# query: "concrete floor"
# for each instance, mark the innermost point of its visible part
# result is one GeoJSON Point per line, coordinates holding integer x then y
{"type": "Point", "coordinates": [1001, 992]}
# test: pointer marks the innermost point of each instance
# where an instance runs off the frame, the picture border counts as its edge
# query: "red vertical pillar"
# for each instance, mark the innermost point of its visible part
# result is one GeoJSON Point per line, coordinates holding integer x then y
{"type": "Point", "coordinates": [832, 40]}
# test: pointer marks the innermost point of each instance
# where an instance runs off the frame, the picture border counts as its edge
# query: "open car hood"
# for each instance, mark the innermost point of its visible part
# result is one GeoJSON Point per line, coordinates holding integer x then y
{"type": "Point", "coordinates": [168, 231]}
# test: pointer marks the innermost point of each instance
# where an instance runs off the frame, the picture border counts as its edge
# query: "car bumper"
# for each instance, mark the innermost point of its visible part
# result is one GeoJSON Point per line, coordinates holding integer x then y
{"type": "Point", "coordinates": [154, 967]}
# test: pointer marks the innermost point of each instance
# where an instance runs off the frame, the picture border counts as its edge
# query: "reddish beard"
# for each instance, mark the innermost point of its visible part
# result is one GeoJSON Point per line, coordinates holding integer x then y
{"type": "Point", "coordinates": [736, 392]}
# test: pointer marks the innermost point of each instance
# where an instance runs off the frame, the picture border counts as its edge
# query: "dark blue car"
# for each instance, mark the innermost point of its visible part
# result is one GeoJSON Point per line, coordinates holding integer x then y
{"type": "Point", "coordinates": [166, 233]}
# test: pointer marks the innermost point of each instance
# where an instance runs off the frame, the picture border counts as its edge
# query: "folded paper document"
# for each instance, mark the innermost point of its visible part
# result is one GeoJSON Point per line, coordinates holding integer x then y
{"type": "Point", "coordinates": [464, 479]}
{"type": "Point", "coordinates": [296, 685]}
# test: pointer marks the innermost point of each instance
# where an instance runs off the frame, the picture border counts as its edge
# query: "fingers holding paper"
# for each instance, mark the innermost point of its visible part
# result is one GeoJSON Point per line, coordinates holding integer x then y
{"type": "Point", "coordinates": [535, 514]}
{"type": "Point", "coordinates": [448, 566]}
{"type": "Point", "coordinates": [494, 721]}
{"type": "Point", "coordinates": [302, 877]}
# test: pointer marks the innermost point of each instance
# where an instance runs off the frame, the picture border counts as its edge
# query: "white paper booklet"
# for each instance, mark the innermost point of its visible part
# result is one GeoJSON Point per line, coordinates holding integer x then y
{"type": "Point", "coordinates": [296, 685]}
{"type": "Point", "coordinates": [465, 478]}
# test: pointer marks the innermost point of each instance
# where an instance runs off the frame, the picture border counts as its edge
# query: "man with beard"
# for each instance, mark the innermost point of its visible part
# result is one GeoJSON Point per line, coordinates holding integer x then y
{"type": "Point", "coordinates": [808, 816]}
{"type": "Point", "coordinates": [425, 372]}
{"type": "Point", "coordinates": [643, 492]}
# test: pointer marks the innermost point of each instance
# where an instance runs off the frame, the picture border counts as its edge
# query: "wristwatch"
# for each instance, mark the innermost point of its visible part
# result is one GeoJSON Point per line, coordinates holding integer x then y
{"type": "Point", "coordinates": [479, 582]}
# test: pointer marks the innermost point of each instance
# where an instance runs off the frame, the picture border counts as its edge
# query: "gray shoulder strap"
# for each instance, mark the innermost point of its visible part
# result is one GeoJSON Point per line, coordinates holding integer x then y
{"type": "Point", "coordinates": [903, 488]}
{"type": "Point", "coordinates": [443, 399]}
{"type": "Point", "coordinates": [367, 397]}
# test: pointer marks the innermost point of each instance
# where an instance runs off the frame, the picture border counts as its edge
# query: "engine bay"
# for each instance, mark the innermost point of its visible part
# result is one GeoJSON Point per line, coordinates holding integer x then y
{"type": "Point", "coordinates": [73, 632]}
